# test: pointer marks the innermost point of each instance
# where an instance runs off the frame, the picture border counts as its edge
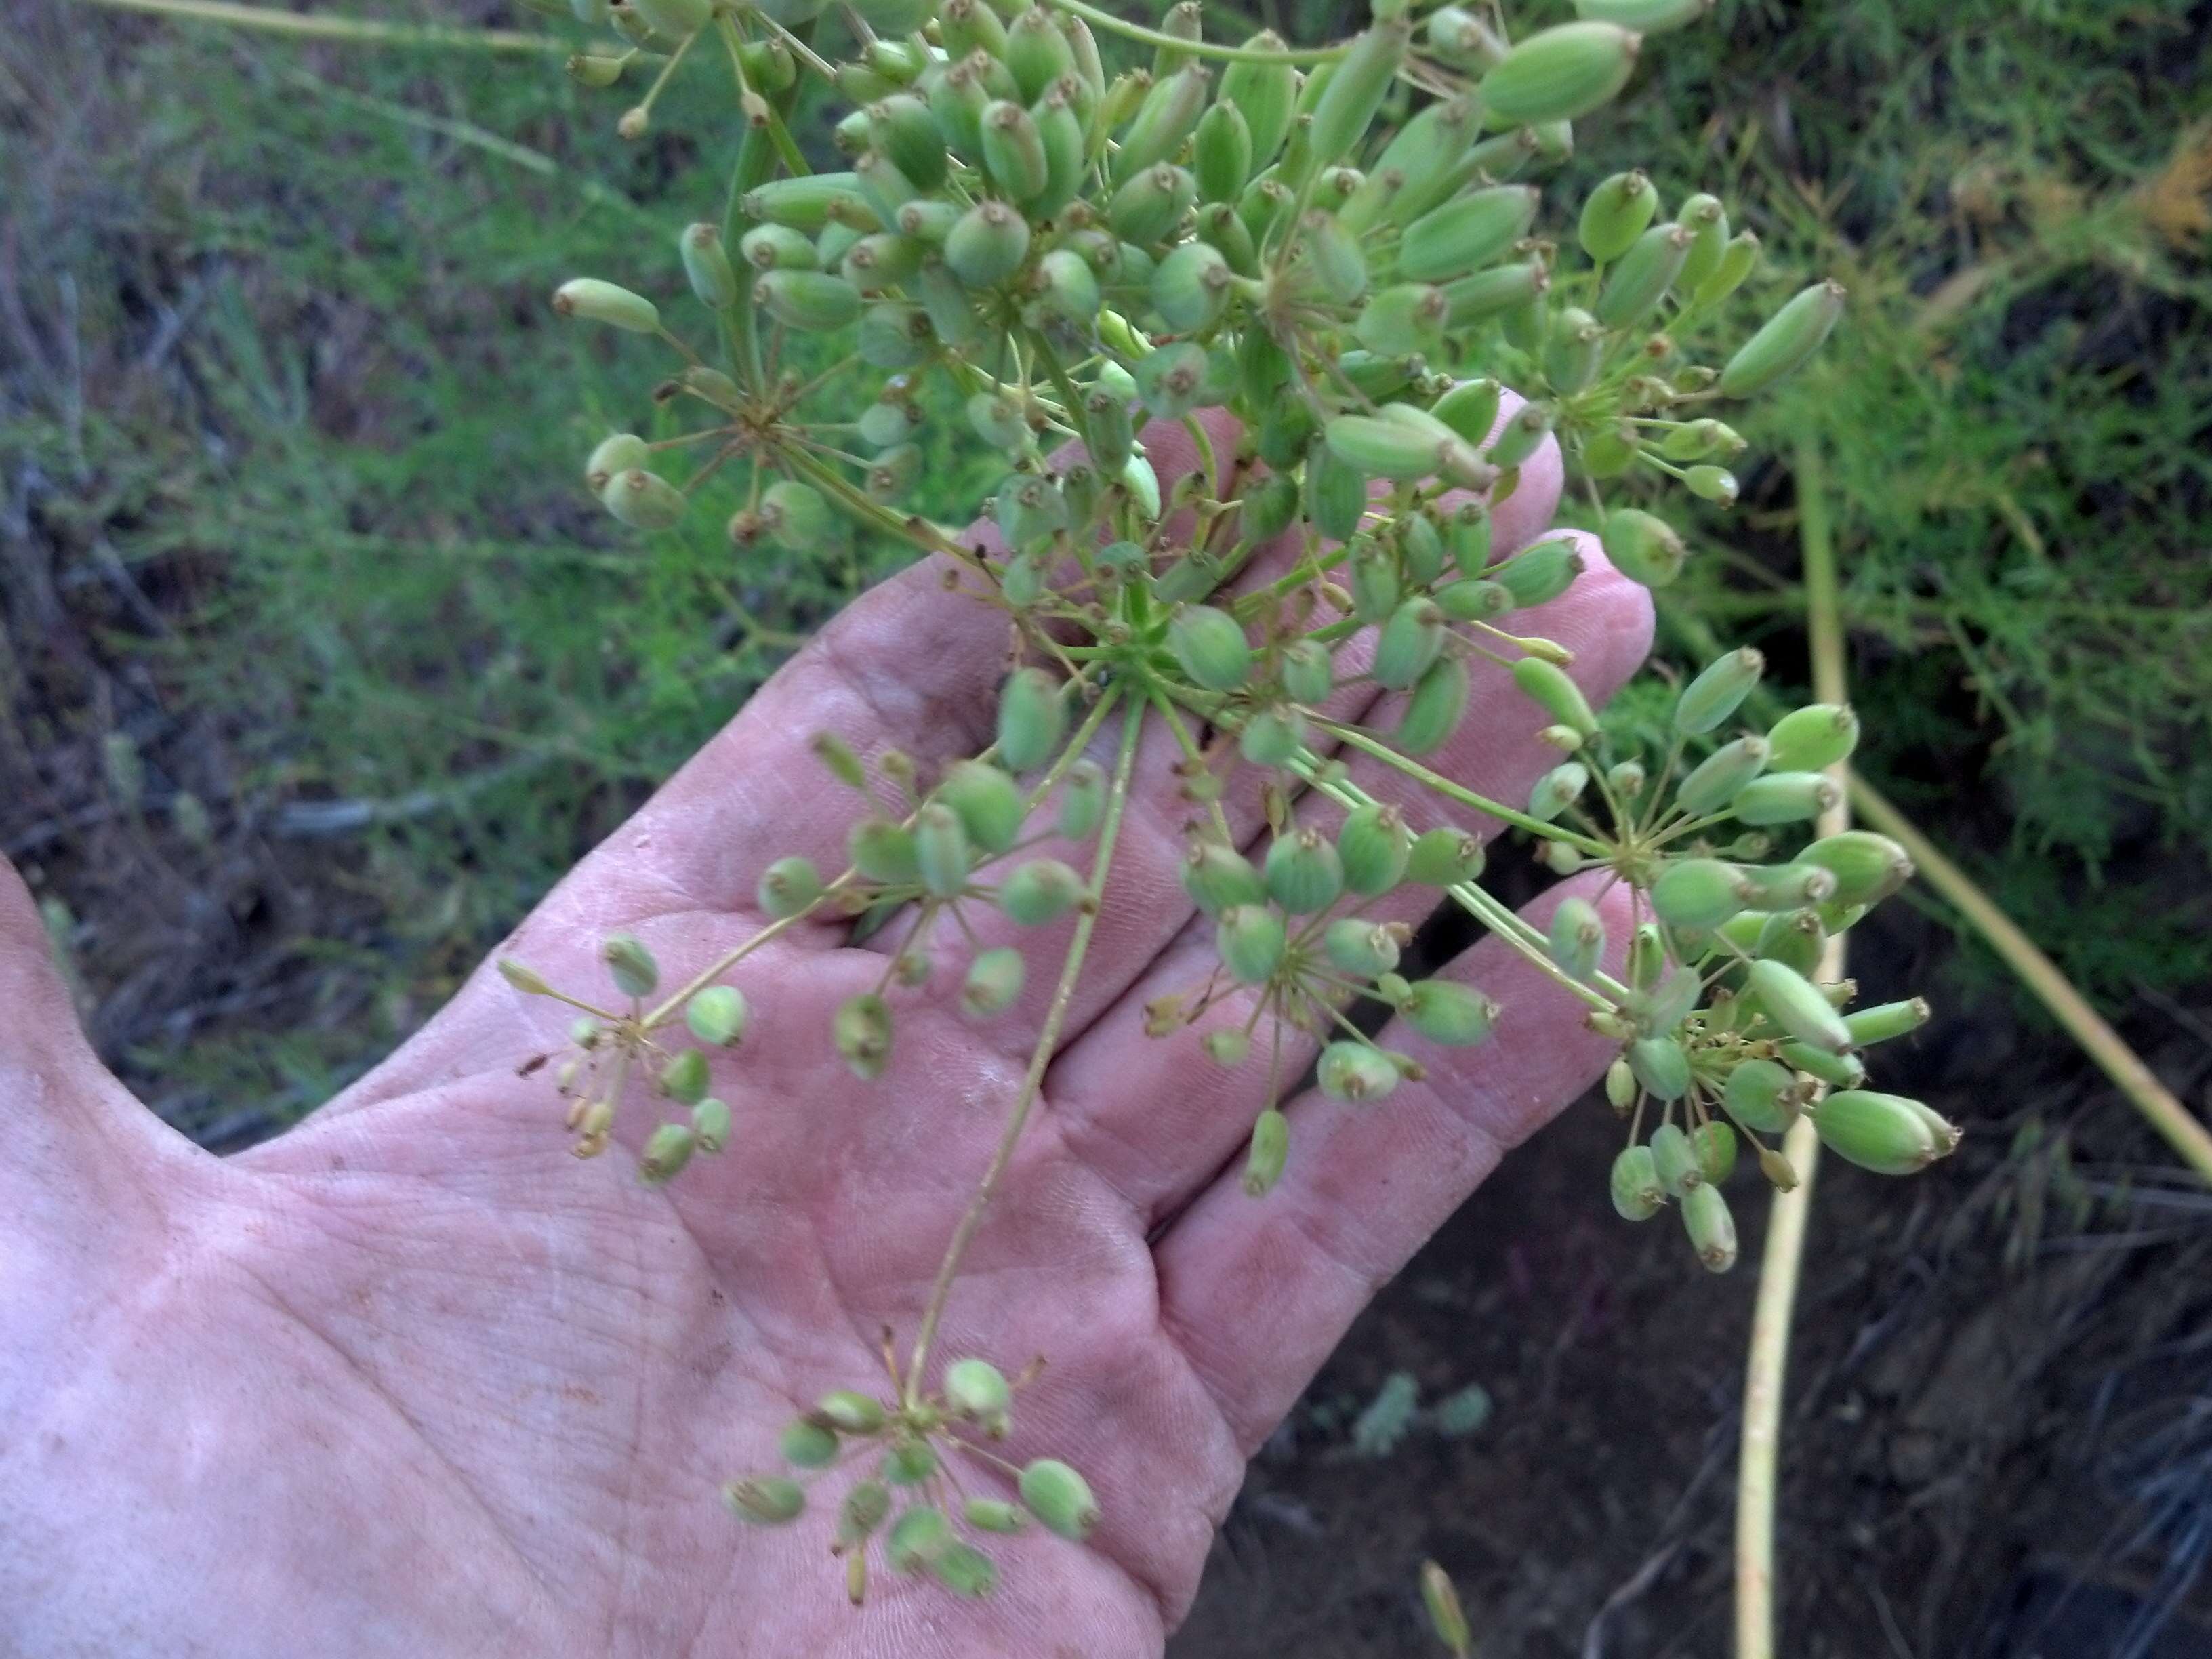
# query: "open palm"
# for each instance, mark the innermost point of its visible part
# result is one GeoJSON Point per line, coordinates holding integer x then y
{"type": "Point", "coordinates": [411, 1380]}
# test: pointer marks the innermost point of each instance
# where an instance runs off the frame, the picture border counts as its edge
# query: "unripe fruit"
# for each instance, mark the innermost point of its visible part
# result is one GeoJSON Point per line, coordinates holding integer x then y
{"type": "Point", "coordinates": [1643, 548]}
{"type": "Point", "coordinates": [1540, 573]}
{"type": "Point", "coordinates": [643, 500]}
{"type": "Point", "coordinates": [976, 1388]}
{"type": "Point", "coordinates": [861, 1029]}
{"type": "Point", "coordinates": [710, 1124]}
{"type": "Point", "coordinates": [1634, 288]}
{"type": "Point", "coordinates": [1712, 1228]}
{"type": "Point", "coordinates": [1218, 877]}
{"type": "Point", "coordinates": [1698, 893]}
{"type": "Point", "coordinates": [1638, 1194]}
{"type": "Point", "coordinates": [1210, 646]}
{"type": "Point", "coordinates": [918, 1537]}
{"type": "Point", "coordinates": [1559, 73]}
{"type": "Point", "coordinates": [1889, 1134]}
{"type": "Point", "coordinates": [1356, 88]}
{"type": "Point", "coordinates": [1190, 287]}
{"type": "Point", "coordinates": [630, 964]}
{"type": "Point", "coordinates": [988, 245]}
{"type": "Point", "coordinates": [1404, 318]}
{"type": "Point", "coordinates": [940, 848]}
{"type": "Point", "coordinates": [1716, 1146]}
{"type": "Point", "coordinates": [1788, 337]}
{"type": "Point", "coordinates": [1762, 1096]}
{"type": "Point", "coordinates": [666, 1151]}
{"type": "Point", "coordinates": [1446, 1011]}
{"type": "Point", "coordinates": [718, 1016]}
{"type": "Point", "coordinates": [1675, 1159]}
{"type": "Point", "coordinates": [994, 981]}
{"type": "Point", "coordinates": [1270, 1151]}
{"type": "Point", "coordinates": [1032, 719]}
{"type": "Point", "coordinates": [1436, 708]}
{"type": "Point", "coordinates": [812, 302]}
{"type": "Point", "coordinates": [1059, 1497]}
{"type": "Point", "coordinates": [808, 1444]}
{"type": "Point", "coordinates": [1374, 848]}
{"type": "Point", "coordinates": [765, 1500]}
{"type": "Point", "coordinates": [1719, 692]}
{"type": "Point", "coordinates": [1250, 940]}
{"type": "Point", "coordinates": [1445, 858]}
{"type": "Point", "coordinates": [1868, 867]}
{"type": "Point", "coordinates": [1303, 871]}
{"type": "Point", "coordinates": [1717, 779]}
{"type": "Point", "coordinates": [1578, 937]}
{"type": "Point", "coordinates": [1265, 93]}
{"type": "Point", "coordinates": [1615, 213]}
{"type": "Point", "coordinates": [605, 302]}
{"type": "Point", "coordinates": [1271, 737]}
{"type": "Point", "coordinates": [1040, 891]}
{"type": "Point", "coordinates": [1465, 235]}
{"type": "Point", "coordinates": [994, 1515]}
{"type": "Point", "coordinates": [1814, 737]}
{"type": "Point", "coordinates": [1549, 686]}
{"type": "Point", "coordinates": [1796, 1003]}
{"type": "Point", "coordinates": [1661, 1067]}
{"type": "Point", "coordinates": [1169, 381]}
{"type": "Point", "coordinates": [1785, 798]}
{"type": "Point", "coordinates": [1355, 1071]}
{"type": "Point", "coordinates": [788, 886]}
{"type": "Point", "coordinates": [1411, 641]}
{"type": "Point", "coordinates": [1558, 788]}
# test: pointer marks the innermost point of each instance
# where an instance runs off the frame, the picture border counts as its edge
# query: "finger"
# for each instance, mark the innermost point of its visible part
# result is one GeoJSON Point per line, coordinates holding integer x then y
{"type": "Point", "coordinates": [1154, 1115]}
{"type": "Point", "coordinates": [1257, 1291]}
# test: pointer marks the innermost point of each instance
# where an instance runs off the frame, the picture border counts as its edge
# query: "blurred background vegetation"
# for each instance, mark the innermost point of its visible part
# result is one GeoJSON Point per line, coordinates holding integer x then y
{"type": "Point", "coordinates": [320, 665]}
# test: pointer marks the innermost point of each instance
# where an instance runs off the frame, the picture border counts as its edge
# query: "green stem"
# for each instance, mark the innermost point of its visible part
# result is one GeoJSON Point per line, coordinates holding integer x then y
{"type": "Point", "coordinates": [699, 982]}
{"type": "Point", "coordinates": [1352, 736]}
{"type": "Point", "coordinates": [1106, 20]}
{"type": "Point", "coordinates": [361, 30]}
{"type": "Point", "coordinates": [1033, 1081]}
{"type": "Point", "coordinates": [1782, 1261]}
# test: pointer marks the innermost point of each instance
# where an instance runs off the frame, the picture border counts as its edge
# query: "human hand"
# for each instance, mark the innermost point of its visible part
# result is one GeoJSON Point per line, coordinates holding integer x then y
{"type": "Point", "coordinates": [407, 1379]}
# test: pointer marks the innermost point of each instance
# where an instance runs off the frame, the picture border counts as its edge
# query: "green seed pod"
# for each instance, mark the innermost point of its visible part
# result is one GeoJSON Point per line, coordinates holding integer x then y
{"type": "Point", "coordinates": [865, 1508]}
{"type": "Point", "coordinates": [1380, 449]}
{"type": "Point", "coordinates": [1637, 1192]}
{"type": "Point", "coordinates": [1403, 319]}
{"type": "Point", "coordinates": [1363, 949]}
{"type": "Point", "coordinates": [994, 1515]}
{"type": "Point", "coordinates": [1622, 1087]}
{"type": "Point", "coordinates": [630, 964]}
{"type": "Point", "coordinates": [1270, 1151]}
{"type": "Point", "coordinates": [1373, 847]}
{"type": "Point", "coordinates": [1650, 16]}
{"type": "Point", "coordinates": [1559, 73]}
{"type": "Point", "coordinates": [1793, 937]}
{"type": "Point", "coordinates": [1887, 1020]}
{"type": "Point", "coordinates": [1082, 800]}
{"type": "Point", "coordinates": [1716, 1146]}
{"type": "Point", "coordinates": [1784, 886]}
{"type": "Point", "coordinates": [666, 1151]}
{"type": "Point", "coordinates": [886, 423]}
{"type": "Point", "coordinates": [1788, 337]}
{"type": "Point", "coordinates": [1674, 1158]}
{"type": "Point", "coordinates": [707, 267]}
{"type": "Point", "coordinates": [978, 1390]}
{"type": "Point", "coordinates": [850, 1413]}
{"type": "Point", "coordinates": [1615, 213]}
{"type": "Point", "coordinates": [994, 981]}
{"type": "Point", "coordinates": [1889, 1134]}
{"type": "Point", "coordinates": [643, 500]}
{"type": "Point", "coordinates": [988, 245]}
{"type": "Point", "coordinates": [1059, 1497]}
{"type": "Point", "coordinates": [788, 886]}
{"type": "Point", "coordinates": [1039, 891]}
{"type": "Point", "coordinates": [862, 1031]}
{"type": "Point", "coordinates": [1269, 507]}
{"type": "Point", "coordinates": [710, 1124]}
{"type": "Point", "coordinates": [1719, 692]}
{"type": "Point", "coordinates": [1737, 257]}
{"type": "Point", "coordinates": [1271, 737]}
{"type": "Point", "coordinates": [957, 99]}
{"type": "Point", "coordinates": [802, 203]}
{"type": "Point", "coordinates": [1541, 574]}
{"type": "Point", "coordinates": [959, 1566]}
{"type": "Point", "coordinates": [1699, 893]}
{"type": "Point", "coordinates": [1265, 93]}
{"type": "Point", "coordinates": [1796, 1005]}
{"type": "Point", "coordinates": [894, 335]}
{"type": "Point", "coordinates": [1464, 40]}
{"type": "Point", "coordinates": [1308, 671]}
{"type": "Point", "coordinates": [1642, 548]}
{"type": "Point", "coordinates": [1574, 347]}
{"type": "Point", "coordinates": [1578, 937]}
{"type": "Point", "coordinates": [1465, 235]}
{"type": "Point", "coordinates": [1763, 1096]}
{"type": "Point", "coordinates": [685, 1078]}
{"type": "Point", "coordinates": [918, 1537]}
{"type": "Point", "coordinates": [1814, 737]}
{"type": "Point", "coordinates": [1445, 858]}
{"type": "Point", "coordinates": [768, 1501]}
{"type": "Point", "coordinates": [1717, 779]}
{"type": "Point", "coordinates": [1169, 115]}
{"type": "Point", "coordinates": [940, 850]}
{"type": "Point", "coordinates": [1355, 1071]}
{"type": "Point", "coordinates": [1411, 641]}
{"type": "Point", "coordinates": [1032, 719]}
{"type": "Point", "coordinates": [1549, 686]}
{"type": "Point", "coordinates": [1557, 790]}
{"type": "Point", "coordinates": [1219, 878]}
{"type": "Point", "coordinates": [882, 189]}
{"type": "Point", "coordinates": [1492, 292]}
{"type": "Point", "coordinates": [1184, 21]}
{"type": "Point", "coordinates": [618, 451]}
{"type": "Point", "coordinates": [796, 516]}
{"type": "Point", "coordinates": [1355, 89]}
{"type": "Point", "coordinates": [591, 69]}
{"type": "Point", "coordinates": [997, 420]}
{"type": "Point", "coordinates": [1169, 381]}
{"type": "Point", "coordinates": [1706, 219]}
{"type": "Point", "coordinates": [1250, 940]}
{"type": "Point", "coordinates": [717, 1016]}
{"type": "Point", "coordinates": [1037, 52]}
{"type": "Point", "coordinates": [1060, 128]}
{"type": "Point", "coordinates": [1013, 148]}
{"type": "Point", "coordinates": [1303, 871]}
{"type": "Point", "coordinates": [1712, 1228]}
{"type": "Point", "coordinates": [1436, 708]}
{"type": "Point", "coordinates": [1647, 955]}
{"type": "Point", "coordinates": [1265, 366]}
{"type": "Point", "coordinates": [1523, 435]}
{"type": "Point", "coordinates": [1221, 154]}
{"type": "Point", "coordinates": [1712, 483]}
{"type": "Point", "coordinates": [808, 1444]}
{"type": "Point", "coordinates": [1029, 508]}
{"type": "Point", "coordinates": [1210, 646]}
{"type": "Point", "coordinates": [812, 302]}
{"type": "Point", "coordinates": [1634, 288]}
{"type": "Point", "coordinates": [1337, 260]}
{"type": "Point", "coordinates": [884, 851]}
{"type": "Point", "coordinates": [1429, 154]}
{"type": "Point", "coordinates": [1837, 1071]}
{"type": "Point", "coordinates": [1190, 287]}
{"type": "Point", "coordinates": [1474, 601]}
{"type": "Point", "coordinates": [968, 25]}
{"type": "Point", "coordinates": [1448, 1013]}
{"type": "Point", "coordinates": [1227, 1047]}
{"type": "Point", "coordinates": [1148, 206]}
{"type": "Point", "coordinates": [597, 301]}
{"type": "Point", "coordinates": [1662, 1067]}
{"type": "Point", "coordinates": [1868, 867]}
{"type": "Point", "coordinates": [988, 804]}
{"type": "Point", "coordinates": [1785, 798]}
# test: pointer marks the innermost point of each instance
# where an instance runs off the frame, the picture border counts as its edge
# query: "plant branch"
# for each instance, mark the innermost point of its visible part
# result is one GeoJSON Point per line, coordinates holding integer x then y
{"type": "Point", "coordinates": [1107, 21]}
{"type": "Point", "coordinates": [360, 30]}
{"type": "Point", "coordinates": [1048, 1040]}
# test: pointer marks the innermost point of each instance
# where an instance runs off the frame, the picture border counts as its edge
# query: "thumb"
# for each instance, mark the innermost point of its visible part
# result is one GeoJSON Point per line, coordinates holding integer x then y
{"type": "Point", "coordinates": [77, 1143]}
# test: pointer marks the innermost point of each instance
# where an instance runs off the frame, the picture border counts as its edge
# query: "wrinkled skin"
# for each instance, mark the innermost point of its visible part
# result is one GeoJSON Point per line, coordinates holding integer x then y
{"type": "Point", "coordinates": [410, 1380]}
